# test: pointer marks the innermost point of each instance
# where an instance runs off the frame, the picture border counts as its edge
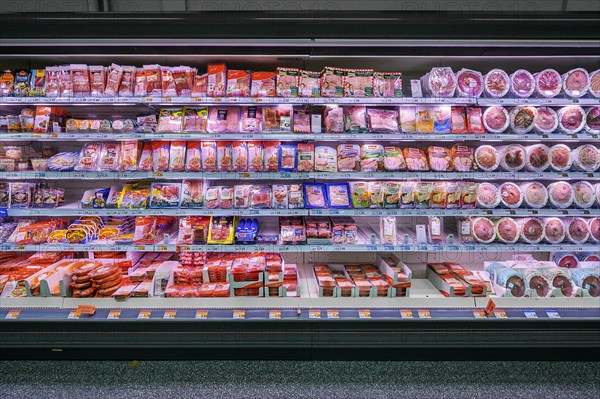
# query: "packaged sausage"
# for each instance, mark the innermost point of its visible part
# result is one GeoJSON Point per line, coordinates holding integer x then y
{"type": "Point", "coordinates": [193, 156]}
{"type": "Point", "coordinates": [333, 117]}
{"type": "Point", "coordinates": [225, 156]}
{"type": "Point", "coordinates": [561, 194]}
{"type": "Point", "coordinates": [287, 82]}
{"type": "Point", "coordinates": [355, 120]}
{"type": "Point", "coordinates": [314, 194]}
{"type": "Point", "coordinates": [578, 231]}
{"type": "Point", "coordinates": [469, 83]}
{"type": "Point", "coordinates": [167, 82]}
{"type": "Point", "coordinates": [532, 230]}
{"type": "Point", "coordinates": [546, 120]}
{"type": "Point", "coordinates": [113, 80]}
{"type": "Point", "coordinates": [88, 157]}
{"type": "Point", "coordinates": [270, 156]}
{"type": "Point", "coordinates": [393, 160]}
{"type": "Point", "coordinates": [484, 230]}
{"type": "Point", "coordinates": [464, 229]}
{"type": "Point", "coordinates": [554, 230]}
{"type": "Point", "coordinates": [309, 84]}
{"type": "Point", "coordinates": [222, 230]}
{"type": "Point", "coordinates": [458, 120]}
{"type": "Point", "coordinates": [153, 80]}
{"type": "Point", "coordinates": [277, 118]}
{"type": "Point", "coordinates": [160, 155]}
{"type": "Point", "coordinates": [238, 83]}
{"type": "Point", "coordinates": [81, 80]}
{"type": "Point", "coordinates": [64, 79]}
{"type": "Point", "coordinates": [255, 156]}
{"type": "Point", "coordinates": [223, 119]}
{"type": "Point", "coordinates": [195, 119]}
{"type": "Point", "coordinates": [240, 156]}
{"type": "Point", "coordinates": [325, 159]}
{"type": "Point", "coordinates": [217, 80]}
{"type": "Point", "coordinates": [522, 83]}
{"type": "Point", "coordinates": [338, 195]}
{"type": "Point", "coordinates": [371, 157]}
{"type": "Point", "coordinates": [475, 120]}
{"type": "Point", "coordinates": [264, 84]}
{"type": "Point", "coordinates": [251, 121]}
{"type": "Point", "coordinates": [358, 83]}
{"type": "Point", "coordinates": [170, 120]}
{"type": "Point", "coordinates": [440, 82]}
{"type": "Point", "coordinates": [52, 82]}
{"type": "Point", "coordinates": [439, 159]}
{"type": "Point", "coordinates": [200, 86]}
{"type": "Point", "coordinates": [425, 119]}
{"type": "Point", "coordinates": [209, 156]}
{"type": "Point", "coordinates": [348, 157]}
{"type": "Point", "coordinates": [496, 83]}
{"type": "Point", "coordinates": [359, 192]}
{"type": "Point", "coordinates": [145, 163]}
{"type": "Point", "coordinates": [332, 82]}
{"type": "Point", "coordinates": [139, 84]}
{"type": "Point", "coordinates": [408, 121]}
{"type": "Point", "coordinates": [441, 119]}
{"type": "Point", "coordinates": [177, 156]}
{"type": "Point", "coordinates": [415, 159]}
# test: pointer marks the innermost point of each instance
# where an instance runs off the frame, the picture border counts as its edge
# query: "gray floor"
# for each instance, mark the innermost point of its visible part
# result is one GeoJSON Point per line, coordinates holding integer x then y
{"type": "Point", "coordinates": [281, 379]}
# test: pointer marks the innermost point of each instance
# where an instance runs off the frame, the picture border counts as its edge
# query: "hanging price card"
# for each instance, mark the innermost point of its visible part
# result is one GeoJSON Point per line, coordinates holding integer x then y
{"type": "Point", "coordinates": [202, 314]}
{"type": "Point", "coordinates": [114, 315]}
{"type": "Point", "coordinates": [239, 314]}
{"type": "Point", "coordinates": [12, 314]}
{"type": "Point", "coordinates": [169, 314]}
{"type": "Point", "coordinates": [406, 314]}
{"type": "Point", "coordinates": [274, 314]}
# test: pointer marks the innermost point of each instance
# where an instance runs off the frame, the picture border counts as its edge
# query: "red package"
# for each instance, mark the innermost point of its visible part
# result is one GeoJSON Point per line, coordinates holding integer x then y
{"type": "Point", "coordinates": [225, 156]}
{"type": "Point", "coordinates": [192, 160]}
{"type": "Point", "coordinates": [127, 81]}
{"type": "Point", "coordinates": [81, 80]}
{"type": "Point", "coordinates": [146, 158]}
{"type": "Point", "coordinates": [139, 88]}
{"type": "Point", "coordinates": [217, 80]}
{"type": "Point", "coordinates": [180, 78]}
{"type": "Point", "coordinates": [168, 83]}
{"type": "Point", "coordinates": [458, 121]}
{"type": "Point", "coordinates": [145, 230]}
{"type": "Point", "coordinates": [113, 80]}
{"type": "Point", "coordinates": [200, 85]}
{"type": "Point", "coordinates": [475, 120]}
{"type": "Point", "coordinates": [153, 83]}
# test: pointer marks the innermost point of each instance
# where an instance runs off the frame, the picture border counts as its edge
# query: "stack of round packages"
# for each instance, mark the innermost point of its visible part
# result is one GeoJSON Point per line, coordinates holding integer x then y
{"type": "Point", "coordinates": [507, 230]}
{"type": "Point", "coordinates": [484, 230]}
{"type": "Point", "coordinates": [488, 196]}
{"type": "Point", "coordinates": [562, 280]}
{"type": "Point", "coordinates": [107, 279]}
{"type": "Point", "coordinates": [586, 158]}
{"type": "Point", "coordinates": [535, 194]}
{"type": "Point", "coordinates": [588, 257]}
{"type": "Point", "coordinates": [595, 83]}
{"type": "Point", "coordinates": [538, 282]}
{"type": "Point", "coordinates": [584, 195]}
{"type": "Point", "coordinates": [496, 83]}
{"type": "Point", "coordinates": [510, 195]}
{"type": "Point", "coordinates": [522, 83]}
{"type": "Point", "coordinates": [594, 225]}
{"type": "Point", "coordinates": [538, 157]}
{"type": "Point", "coordinates": [554, 230]}
{"type": "Point", "coordinates": [561, 157]}
{"type": "Point", "coordinates": [440, 82]}
{"type": "Point", "coordinates": [592, 119]}
{"type": "Point", "coordinates": [512, 280]}
{"type": "Point", "coordinates": [513, 157]}
{"type": "Point", "coordinates": [522, 119]}
{"type": "Point", "coordinates": [532, 230]}
{"type": "Point", "coordinates": [571, 119]}
{"type": "Point", "coordinates": [496, 119]}
{"type": "Point", "coordinates": [565, 259]}
{"type": "Point", "coordinates": [81, 281]}
{"type": "Point", "coordinates": [578, 231]}
{"type": "Point", "coordinates": [576, 82]}
{"type": "Point", "coordinates": [548, 83]}
{"type": "Point", "coordinates": [469, 83]}
{"type": "Point", "coordinates": [588, 280]}
{"type": "Point", "coordinates": [546, 120]}
{"type": "Point", "coordinates": [487, 158]}
{"type": "Point", "coordinates": [561, 194]}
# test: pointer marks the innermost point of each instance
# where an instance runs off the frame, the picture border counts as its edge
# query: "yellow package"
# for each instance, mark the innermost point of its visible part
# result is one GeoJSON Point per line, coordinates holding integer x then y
{"type": "Point", "coordinates": [222, 229]}
{"type": "Point", "coordinates": [425, 119]}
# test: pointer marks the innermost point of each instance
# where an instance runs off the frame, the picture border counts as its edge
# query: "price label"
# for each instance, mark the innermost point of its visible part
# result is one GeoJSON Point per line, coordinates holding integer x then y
{"type": "Point", "coordinates": [144, 314]}
{"type": "Point", "coordinates": [73, 315]}
{"type": "Point", "coordinates": [114, 315]}
{"type": "Point", "coordinates": [86, 309]}
{"type": "Point", "coordinates": [202, 314]}
{"type": "Point", "coordinates": [364, 314]}
{"type": "Point", "coordinates": [162, 248]}
{"type": "Point", "coordinates": [479, 314]}
{"type": "Point", "coordinates": [170, 314]}
{"type": "Point", "coordinates": [12, 314]}
{"type": "Point", "coordinates": [140, 248]}
{"type": "Point", "coordinates": [333, 314]}
{"type": "Point", "coordinates": [314, 314]}
{"type": "Point", "coordinates": [552, 314]}
{"type": "Point", "coordinates": [167, 99]}
{"type": "Point", "coordinates": [500, 314]}
{"type": "Point", "coordinates": [239, 314]}
{"type": "Point", "coordinates": [530, 314]}
{"type": "Point", "coordinates": [424, 314]}
{"type": "Point", "coordinates": [489, 308]}
{"type": "Point", "coordinates": [274, 314]}
{"type": "Point", "coordinates": [406, 314]}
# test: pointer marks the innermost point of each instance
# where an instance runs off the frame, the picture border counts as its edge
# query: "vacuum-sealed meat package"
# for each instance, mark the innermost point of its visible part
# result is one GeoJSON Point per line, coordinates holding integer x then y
{"type": "Point", "coordinates": [592, 120]}
{"type": "Point", "coordinates": [416, 160]}
{"type": "Point", "coordinates": [595, 83]}
{"type": "Point", "coordinates": [287, 82]}
{"type": "Point", "coordinates": [462, 158]}
{"type": "Point", "coordinates": [333, 117]}
{"type": "Point", "coordinates": [240, 156]}
{"type": "Point", "coordinates": [583, 195]}
{"type": "Point", "coordinates": [510, 195]}
{"type": "Point", "coordinates": [488, 196]}
{"type": "Point", "coordinates": [484, 230]}
{"type": "Point", "coordinates": [440, 82]}
{"type": "Point", "coordinates": [513, 157]}
{"type": "Point", "coordinates": [546, 120]}
{"type": "Point", "coordinates": [393, 160]}
{"type": "Point", "coordinates": [195, 119]}
{"type": "Point", "coordinates": [561, 194]}
{"type": "Point", "coordinates": [507, 230]}
{"type": "Point", "coordinates": [225, 156]}
{"type": "Point", "coordinates": [496, 83]}
{"type": "Point", "coordinates": [209, 156]}
{"type": "Point", "coordinates": [277, 118]}
{"type": "Point", "coordinates": [238, 83]}
{"type": "Point", "coordinates": [555, 230]}
{"type": "Point", "coordinates": [561, 157]}
{"type": "Point", "coordinates": [535, 194]}
{"type": "Point", "coordinates": [439, 159]}
{"type": "Point", "coordinates": [586, 158]}
{"type": "Point", "coordinates": [496, 119]}
{"type": "Point", "coordinates": [425, 119]}
{"type": "Point", "coordinates": [532, 230]}
{"type": "Point", "coordinates": [309, 84]}
{"type": "Point", "coordinates": [270, 156]}
{"type": "Point", "coordinates": [522, 83]}
{"type": "Point", "coordinates": [193, 156]}
{"type": "Point", "coordinates": [371, 158]}
{"type": "Point", "coordinates": [264, 84]}
{"type": "Point", "coordinates": [332, 82]}
{"type": "Point", "coordinates": [578, 231]}
{"type": "Point", "coordinates": [355, 119]}
{"type": "Point", "coordinates": [223, 119]}
{"type": "Point", "coordinates": [522, 119]}
{"type": "Point", "coordinates": [487, 158]}
{"type": "Point", "coordinates": [408, 121]}
{"type": "Point", "coordinates": [325, 159]}
{"type": "Point", "coordinates": [576, 82]}
{"type": "Point", "coordinates": [348, 157]}
{"type": "Point", "coordinates": [382, 121]}
{"type": "Point", "coordinates": [458, 120]}
{"type": "Point", "coordinates": [217, 80]}
{"type": "Point", "coordinates": [475, 120]}
{"type": "Point", "coordinates": [387, 84]}
{"type": "Point", "coordinates": [358, 82]}
{"type": "Point", "coordinates": [251, 120]}
{"type": "Point", "coordinates": [538, 157]}
{"type": "Point", "coordinates": [571, 119]}
{"type": "Point", "coordinates": [548, 83]}
{"type": "Point", "coordinates": [469, 83]}
{"type": "Point", "coordinates": [301, 121]}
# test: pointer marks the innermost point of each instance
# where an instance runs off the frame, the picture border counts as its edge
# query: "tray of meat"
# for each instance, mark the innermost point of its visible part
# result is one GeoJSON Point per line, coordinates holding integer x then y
{"type": "Point", "coordinates": [522, 83]}
{"type": "Point", "coordinates": [595, 83]}
{"type": "Point", "coordinates": [458, 120]}
{"type": "Point", "coordinates": [415, 159]}
{"type": "Point", "coordinates": [576, 82]}
{"type": "Point", "coordinates": [532, 230]}
{"type": "Point", "coordinates": [484, 230]}
{"type": "Point", "coordinates": [496, 83]}
{"type": "Point", "coordinates": [469, 83]}
{"type": "Point", "coordinates": [586, 158]}
{"type": "Point", "coordinates": [537, 282]}
{"type": "Point", "coordinates": [571, 119]}
{"type": "Point", "coordinates": [584, 195]}
{"type": "Point", "coordinates": [382, 121]}
{"type": "Point", "coordinates": [287, 82]}
{"type": "Point", "coordinates": [223, 119]}
{"type": "Point", "coordinates": [488, 196]}
{"type": "Point", "coordinates": [538, 157]}
{"type": "Point", "coordinates": [507, 230]}
{"type": "Point", "coordinates": [594, 225]}
{"type": "Point", "coordinates": [510, 195]}
{"type": "Point", "coordinates": [548, 83]}
{"type": "Point", "coordinates": [462, 158]}
{"type": "Point", "coordinates": [592, 119]}
{"type": "Point", "coordinates": [358, 83]}
{"type": "Point", "coordinates": [561, 157]}
{"type": "Point", "coordinates": [522, 119]}
{"type": "Point", "coordinates": [439, 159]}
{"type": "Point", "coordinates": [535, 194]}
{"type": "Point", "coordinates": [487, 158]}
{"type": "Point", "coordinates": [496, 119]}
{"type": "Point", "coordinates": [332, 82]}
{"type": "Point", "coordinates": [393, 160]}
{"type": "Point", "coordinates": [588, 280]}
{"type": "Point", "coordinates": [555, 230]}
{"type": "Point", "coordinates": [513, 157]}
{"type": "Point", "coordinates": [561, 194]}
{"type": "Point", "coordinates": [578, 230]}
{"type": "Point", "coordinates": [348, 157]}
{"type": "Point", "coordinates": [546, 120]}
{"type": "Point", "coordinates": [440, 82]}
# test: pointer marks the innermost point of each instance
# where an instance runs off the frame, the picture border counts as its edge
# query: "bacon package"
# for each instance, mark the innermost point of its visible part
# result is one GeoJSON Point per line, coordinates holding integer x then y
{"type": "Point", "coordinates": [153, 80]}
{"type": "Point", "coordinates": [576, 82]}
{"type": "Point", "coordinates": [332, 82]}
{"type": "Point", "coordinates": [251, 121]}
{"type": "Point", "coordinates": [358, 83]}
{"type": "Point", "coordinates": [571, 119]}
{"type": "Point", "coordinates": [209, 156]}
{"type": "Point", "coordinates": [238, 83]}
{"type": "Point", "coordinates": [470, 83]}
{"type": "Point", "coordinates": [496, 119]}
{"type": "Point", "coordinates": [223, 119]}
{"type": "Point", "coordinates": [383, 121]}
{"type": "Point", "coordinates": [355, 119]}
{"type": "Point", "coordinates": [548, 83]}
{"type": "Point", "coordinates": [200, 86]}
{"type": "Point", "coordinates": [592, 120]}
{"type": "Point", "coordinates": [217, 80]}
{"type": "Point", "coordinates": [287, 82]}
{"type": "Point", "coordinates": [522, 119]}
{"type": "Point", "coordinates": [546, 120]}
{"type": "Point", "coordinates": [458, 120]}
{"type": "Point", "coordinates": [264, 84]}
{"type": "Point", "coordinates": [81, 80]}
{"type": "Point", "coordinates": [497, 83]}
{"type": "Point", "coordinates": [440, 82]}
{"type": "Point", "coordinates": [522, 83]}
{"type": "Point", "coordinates": [309, 85]}
{"type": "Point", "coordinates": [193, 156]}
{"type": "Point", "coordinates": [387, 84]}
{"type": "Point", "coordinates": [225, 156]}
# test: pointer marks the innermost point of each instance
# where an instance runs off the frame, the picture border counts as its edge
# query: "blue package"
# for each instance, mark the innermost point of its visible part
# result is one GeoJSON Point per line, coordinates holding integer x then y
{"type": "Point", "coordinates": [338, 195]}
{"type": "Point", "coordinates": [315, 195]}
{"type": "Point", "coordinates": [287, 158]}
{"type": "Point", "coordinates": [100, 198]}
{"type": "Point", "coordinates": [441, 119]}
{"type": "Point", "coordinates": [246, 231]}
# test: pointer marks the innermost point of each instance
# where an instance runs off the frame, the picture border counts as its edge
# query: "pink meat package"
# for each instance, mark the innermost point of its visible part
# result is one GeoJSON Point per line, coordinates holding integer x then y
{"type": "Point", "coordinates": [223, 119]}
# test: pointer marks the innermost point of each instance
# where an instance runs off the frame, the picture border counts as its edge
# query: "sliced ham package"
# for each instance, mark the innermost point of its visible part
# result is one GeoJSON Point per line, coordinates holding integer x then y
{"type": "Point", "coordinates": [576, 82]}
{"type": "Point", "coordinates": [522, 83]}
{"type": "Point", "coordinates": [223, 119]}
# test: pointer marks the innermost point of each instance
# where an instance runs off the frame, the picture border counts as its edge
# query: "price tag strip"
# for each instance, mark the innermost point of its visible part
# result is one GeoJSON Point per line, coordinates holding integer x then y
{"type": "Point", "coordinates": [114, 315]}
{"type": "Point", "coordinates": [144, 314]}
{"type": "Point", "coordinates": [170, 314]}
{"type": "Point", "coordinates": [479, 314]}
{"type": "Point", "coordinates": [553, 314]}
{"type": "Point", "coordinates": [364, 314]}
{"type": "Point", "coordinates": [239, 314]}
{"type": "Point", "coordinates": [333, 314]}
{"type": "Point", "coordinates": [500, 314]}
{"type": "Point", "coordinates": [406, 314]}
{"type": "Point", "coordinates": [274, 314]}
{"type": "Point", "coordinates": [314, 314]}
{"type": "Point", "coordinates": [202, 314]}
{"type": "Point", "coordinates": [424, 314]}
{"type": "Point", "coordinates": [12, 314]}
{"type": "Point", "coordinates": [530, 314]}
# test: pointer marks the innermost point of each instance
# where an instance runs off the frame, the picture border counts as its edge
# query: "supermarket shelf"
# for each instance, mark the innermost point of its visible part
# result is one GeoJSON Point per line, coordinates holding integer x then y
{"type": "Point", "coordinates": [521, 175]}
{"type": "Point", "coordinates": [74, 210]}
{"type": "Point", "coordinates": [489, 248]}
{"type": "Point", "coordinates": [293, 101]}
{"type": "Point", "coordinates": [283, 136]}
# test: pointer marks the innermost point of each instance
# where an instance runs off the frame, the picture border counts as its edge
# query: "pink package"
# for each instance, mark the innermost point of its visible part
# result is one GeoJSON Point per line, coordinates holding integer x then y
{"type": "Point", "coordinates": [470, 83]}
{"type": "Point", "coordinates": [332, 82]}
{"type": "Point", "coordinates": [301, 121]}
{"type": "Point", "coordinates": [200, 85]}
{"type": "Point", "coordinates": [223, 119]}
{"type": "Point", "coordinates": [334, 119]}
{"type": "Point", "coordinates": [238, 83]}
{"type": "Point", "coordinates": [358, 83]}
{"type": "Point", "coordinates": [263, 84]}
{"type": "Point", "coordinates": [381, 120]}
{"type": "Point", "coordinates": [287, 82]}
{"type": "Point", "coordinates": [251, 121]}
{"type": "Point", "coordinates": [309, 84]}
{"type": "Point", "coordinates": [387, 84]}
{"type": "Point", "coordinates": [217, 80]}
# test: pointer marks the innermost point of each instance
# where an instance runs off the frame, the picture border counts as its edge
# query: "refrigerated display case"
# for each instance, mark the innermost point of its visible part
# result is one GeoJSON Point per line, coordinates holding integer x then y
{"type": "Point", "coordinates": [378, 191]}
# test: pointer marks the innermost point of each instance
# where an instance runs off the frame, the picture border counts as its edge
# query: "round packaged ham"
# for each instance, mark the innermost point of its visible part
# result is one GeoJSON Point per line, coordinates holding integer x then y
{"type": "Point", "coordinates": [440, 82]}
{"type": "Point", "coordinates": [588, 280]}
{"type": "Point", "coordinates": [469, 83]}
{"type": "Point", "coordinates": [522, 83]}
{"type": "Point", "coordinates": [561, 194]}
{"type": "Point", "coordinates": [592, 120]}
{"type": "Point", "coordinates": [571, 119]}
{"type": "Point", "coordinates": [510, 195]}
{"type": "Point", "coordinates": [535, 194]}
{"type": "Point", "coordinates": [538, 282]}
{"type": "Point", "coordinates": [546, 120]}
{"type": "Point", "coordinates": [513, 157]}
{"type": "Point", "coordinates": [578, 231]}
{"type": "Point", "coordinates": [532, 230]}
{"type": "Point", "coordinates": [576, 82]}
{"type": "Point", "coordinates": [496, 119]}
{"type": "Point", "coordinates": [538, 157]}
{"type": "Point", "coordinates": [484, 230]}
{"type": "Point", "coordinates": [554, 230]}
{"type": "Point", "coordinates": [561, 157]}
{"type": "Point", "coordinates": [588, 256]}
{"type": "Point", "coordinates": [488, 196]}
{"type": "Point", "coordinates": [507, 230]}
{"type": "Point", "coordinates": [487, 158]}
{"type": "Point", "coordinates": [594, 225]}
{"type": "Point", "coordinates": [522, 119]}
{"type": "Point", "coordinates": [584, 195]}
{"type": "Point", "coordinates": [597, 193]}
{"type": "Point", "coordinates": [561, 280]}
{"type": "Point", "coordinates": [565, 259]}
{"type": "Point", "coordinates": [496, 83]}
{"type": "Point", "coordinates": [586, 158]}
{"type": "Point", "coordinates": [595, 83]}
{"type": "Point", "coordinates": [548, 83]}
